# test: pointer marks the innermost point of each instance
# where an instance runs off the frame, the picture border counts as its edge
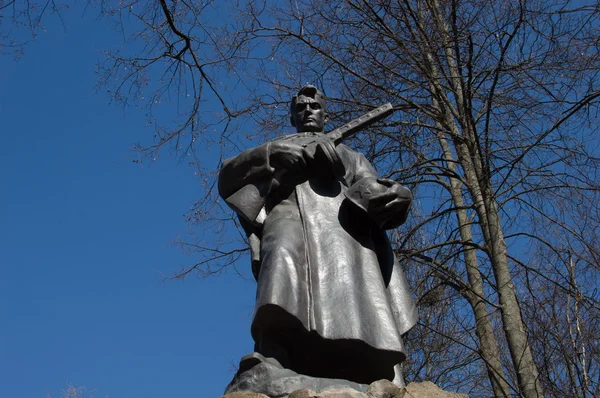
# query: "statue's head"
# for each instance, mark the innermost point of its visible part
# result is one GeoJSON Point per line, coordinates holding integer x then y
{"type": "Point", "coordinates": [308, 110]}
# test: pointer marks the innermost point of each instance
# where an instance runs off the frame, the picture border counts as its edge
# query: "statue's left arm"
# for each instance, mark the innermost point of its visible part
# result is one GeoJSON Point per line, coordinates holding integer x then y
{"type": "Point", "coordinates": [385, 201]}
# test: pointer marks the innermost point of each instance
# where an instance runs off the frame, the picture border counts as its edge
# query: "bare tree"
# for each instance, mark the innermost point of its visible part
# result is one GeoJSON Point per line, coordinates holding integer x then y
{"type": "Point", "coordinates": [21, 20]}
{"type": "Point", "coordinates": [74, 391]}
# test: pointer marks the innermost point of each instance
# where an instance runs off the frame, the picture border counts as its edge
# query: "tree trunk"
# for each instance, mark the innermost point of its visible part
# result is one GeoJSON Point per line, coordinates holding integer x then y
{"type": "Point", "coordinates": [514, 328]}
{"type": "Point", "coordinates": [489, 350]}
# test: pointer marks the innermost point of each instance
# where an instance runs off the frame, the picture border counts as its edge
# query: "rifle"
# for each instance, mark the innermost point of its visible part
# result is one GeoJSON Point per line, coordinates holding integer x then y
{"type": "Point", "coordinates": [322, 149]}
{"type": "Point", "coordinates": [326, 149]}
{"type": "Point", "coordinates": [349, 129]}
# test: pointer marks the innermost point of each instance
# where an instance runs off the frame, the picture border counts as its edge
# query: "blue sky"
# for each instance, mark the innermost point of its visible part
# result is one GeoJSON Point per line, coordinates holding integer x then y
{"type": "Point", "coordinates": [85, 238]}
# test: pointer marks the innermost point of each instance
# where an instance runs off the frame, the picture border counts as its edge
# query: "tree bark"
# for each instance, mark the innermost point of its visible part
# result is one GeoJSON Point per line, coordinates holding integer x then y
{"type": "Point", "coordinates": [489, 350]}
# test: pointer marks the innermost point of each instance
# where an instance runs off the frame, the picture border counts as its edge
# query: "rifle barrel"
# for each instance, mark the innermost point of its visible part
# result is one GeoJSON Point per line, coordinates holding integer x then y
{"type": "Point", "coordinates": [347, 130]}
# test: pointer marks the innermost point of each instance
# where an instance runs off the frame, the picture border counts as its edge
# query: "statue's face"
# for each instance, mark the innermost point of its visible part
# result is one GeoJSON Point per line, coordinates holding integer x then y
{"type": "Point", "coordinates": [310, 114]}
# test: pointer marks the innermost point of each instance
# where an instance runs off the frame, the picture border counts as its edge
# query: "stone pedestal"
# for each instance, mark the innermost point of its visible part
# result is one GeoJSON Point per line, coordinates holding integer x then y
{"type": "Point", "coordinates": [378, 389]}
{"type": "Point", "coordinates": [260, 377]}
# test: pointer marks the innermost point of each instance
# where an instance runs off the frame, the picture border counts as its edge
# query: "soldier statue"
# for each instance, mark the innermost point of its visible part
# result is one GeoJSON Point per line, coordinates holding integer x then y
{"type": "Point", "coordinates": [332, 300]}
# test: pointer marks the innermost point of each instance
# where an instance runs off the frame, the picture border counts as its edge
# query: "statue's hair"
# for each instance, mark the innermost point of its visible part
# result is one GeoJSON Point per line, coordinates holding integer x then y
{"type": "Point", "coordinates": [306, 91]}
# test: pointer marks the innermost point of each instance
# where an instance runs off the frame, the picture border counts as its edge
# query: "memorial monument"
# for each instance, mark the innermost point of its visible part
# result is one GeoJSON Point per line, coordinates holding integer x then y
{"type": "Point", "coordinates": [332, 302]}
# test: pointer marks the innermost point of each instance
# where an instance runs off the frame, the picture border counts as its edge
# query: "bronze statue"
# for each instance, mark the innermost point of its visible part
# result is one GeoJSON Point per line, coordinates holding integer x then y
{"type": "Point", "coordinates": [332, 300]}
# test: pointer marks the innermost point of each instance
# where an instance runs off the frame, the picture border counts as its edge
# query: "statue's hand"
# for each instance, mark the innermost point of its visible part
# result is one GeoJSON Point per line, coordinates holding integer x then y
{"type": "Point", "coordinates": [388, 203]}
{"type": "Point", "coordinates": [323, 160]}
{"type": "Point", "coordinates": [287, 156]}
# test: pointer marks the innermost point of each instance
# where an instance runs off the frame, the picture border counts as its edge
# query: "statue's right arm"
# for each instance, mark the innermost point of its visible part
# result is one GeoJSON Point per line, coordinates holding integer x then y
{"type": "Point", "coordinates": [245, 181]}
{"type": "Point", "coordinates": [249, 167]}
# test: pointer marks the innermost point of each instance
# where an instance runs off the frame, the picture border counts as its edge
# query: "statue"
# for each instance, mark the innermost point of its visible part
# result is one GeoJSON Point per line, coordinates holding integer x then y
{"type": "Point", "coordinates": [332, 300]}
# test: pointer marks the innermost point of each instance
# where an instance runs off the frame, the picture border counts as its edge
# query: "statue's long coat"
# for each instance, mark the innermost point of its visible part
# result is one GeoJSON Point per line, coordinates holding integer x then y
{"type": "Point", "coordinates": [317, 256]}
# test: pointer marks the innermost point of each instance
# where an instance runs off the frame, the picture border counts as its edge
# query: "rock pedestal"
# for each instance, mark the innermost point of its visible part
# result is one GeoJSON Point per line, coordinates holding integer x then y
{"type": "Point", "coordinates": [378, 389]}
{"type": "Point", "coordinates": [260, 377]}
